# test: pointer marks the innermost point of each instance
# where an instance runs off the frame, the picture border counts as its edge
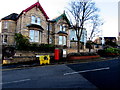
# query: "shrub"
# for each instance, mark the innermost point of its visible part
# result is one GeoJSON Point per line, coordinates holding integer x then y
{"type": "Point", "coordinates": [22, 42]}
{"type": "Point", "coordinates": [82, 54]}
{"type": "Point", "coordinates": [109, 51]}
{"type": "Point", "coordinates": [113, 50]}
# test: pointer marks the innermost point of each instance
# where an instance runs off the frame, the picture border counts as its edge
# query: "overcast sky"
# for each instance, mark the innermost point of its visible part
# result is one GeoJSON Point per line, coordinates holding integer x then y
{"type": "Point", "coordinates": [53, 8]}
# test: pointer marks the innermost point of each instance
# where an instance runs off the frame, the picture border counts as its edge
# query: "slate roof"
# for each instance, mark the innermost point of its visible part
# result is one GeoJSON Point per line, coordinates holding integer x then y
{"type": "Point", "coordinates": [34, 25]}
{"type": "Point", "coordinates": [12, 16]}
{"type": "Point", "coordinates": [63, 33]}
{"type": "Point", "coordinates": [60, 17]}
{"type": "Point", "coordinates": [37, 4]}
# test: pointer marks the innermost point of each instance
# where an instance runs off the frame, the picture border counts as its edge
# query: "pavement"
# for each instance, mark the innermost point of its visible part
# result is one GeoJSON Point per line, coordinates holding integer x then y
{"type": "Point", "coordinates": [52, 62]}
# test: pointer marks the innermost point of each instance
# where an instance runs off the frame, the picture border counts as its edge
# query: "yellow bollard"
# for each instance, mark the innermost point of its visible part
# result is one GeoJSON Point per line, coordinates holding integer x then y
{"type": "Point", "coordinates": [45, 59]}
{"type": "Point", "coordinates": [6, 62]}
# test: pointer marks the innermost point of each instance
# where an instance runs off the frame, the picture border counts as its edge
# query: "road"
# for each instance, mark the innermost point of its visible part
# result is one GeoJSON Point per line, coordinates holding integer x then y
{"type": "Point", "coordinates": [104, 74]}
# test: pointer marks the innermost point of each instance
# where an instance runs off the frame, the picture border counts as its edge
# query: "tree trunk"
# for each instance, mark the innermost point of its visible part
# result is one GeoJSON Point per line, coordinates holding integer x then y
{"type": "Point", "coordinates": [78, 45]}
{"type": "Point", "coordinates": [89, 49]}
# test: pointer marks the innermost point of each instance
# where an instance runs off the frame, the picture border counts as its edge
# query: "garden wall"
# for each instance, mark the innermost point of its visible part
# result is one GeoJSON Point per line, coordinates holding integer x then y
{"type": "Point", "coordinates": [24, 56]}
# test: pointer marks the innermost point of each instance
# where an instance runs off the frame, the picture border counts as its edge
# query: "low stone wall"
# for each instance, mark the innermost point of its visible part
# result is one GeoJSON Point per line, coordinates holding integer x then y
{"type": "Point", "coordinates": [24, 56]}
{"type": "Point", "coordinates": [82, 57]}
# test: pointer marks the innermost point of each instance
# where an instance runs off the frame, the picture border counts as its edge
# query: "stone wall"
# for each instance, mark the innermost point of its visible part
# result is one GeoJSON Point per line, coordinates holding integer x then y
{"type": "Point", "coordinates": [9, 31]}
{"type": "Point", "coordinates": [24, 56]}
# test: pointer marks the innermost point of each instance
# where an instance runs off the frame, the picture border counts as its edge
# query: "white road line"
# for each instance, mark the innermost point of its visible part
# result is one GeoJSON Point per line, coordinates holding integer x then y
{"type": "Point", "coordinates": [16, 81]}
{"type": "Point", "coordinates": [87, 71]}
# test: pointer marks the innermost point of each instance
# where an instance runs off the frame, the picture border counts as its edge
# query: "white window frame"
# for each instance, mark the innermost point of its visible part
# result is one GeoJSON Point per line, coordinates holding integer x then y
{"type": "Point", "coordinates": [62, 40]}
{"type": "Point", "coordinates": [64, 28]}
{"type": "Point", "coordinates": [38, 21]}
{"type": "Point", "coordinates": [35, 36]}
{"type": "Point", "coordinates": [60, 27]}
{"type": "Point", "coordinates": [33, 19]}
{"type": "Point", "coordinates": [5, 24]}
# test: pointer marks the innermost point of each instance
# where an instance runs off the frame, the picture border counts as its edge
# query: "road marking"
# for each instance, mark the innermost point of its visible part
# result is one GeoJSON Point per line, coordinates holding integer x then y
{"type": "Point", "coordinates": [87, 71]}
{"type": "Point", "coordinates": [16, 81]}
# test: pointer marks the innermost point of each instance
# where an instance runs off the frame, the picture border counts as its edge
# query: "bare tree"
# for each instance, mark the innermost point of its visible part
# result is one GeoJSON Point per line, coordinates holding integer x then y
{"type": "Point", "coordinates": [96, 23]}
{"type": "Point", "coordinates": [79, 12]}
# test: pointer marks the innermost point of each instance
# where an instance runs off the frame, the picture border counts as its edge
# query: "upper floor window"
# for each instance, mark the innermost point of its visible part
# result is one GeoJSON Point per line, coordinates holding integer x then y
{"type": "Point", "coordinates": [35, 20]}
{"type": "Point", "coordinates": [38, 21]}
{"type": "Point", "coordinates": [5, 24]}
{"type": "Point", "coordinates": [62, 28]}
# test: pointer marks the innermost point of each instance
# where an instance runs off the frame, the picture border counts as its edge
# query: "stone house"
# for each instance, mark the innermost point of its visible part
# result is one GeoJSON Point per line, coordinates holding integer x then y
{"type": "Point", "coordinates": [34, 23]}
{"type": "Point", "coordinates": [73, 39]}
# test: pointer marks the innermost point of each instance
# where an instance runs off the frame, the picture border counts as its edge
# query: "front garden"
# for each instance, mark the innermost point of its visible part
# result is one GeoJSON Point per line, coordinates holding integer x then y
{"type": "Point", "coordinates": [109, 52]}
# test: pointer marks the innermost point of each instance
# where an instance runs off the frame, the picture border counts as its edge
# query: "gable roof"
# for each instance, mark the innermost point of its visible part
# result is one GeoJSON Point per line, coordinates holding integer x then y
{"type": "Point", "coordinates": [37, 4]}
{"type": "Point", "coordinates": [12, 16]}
{"type": "Point", "coordinates": [60, 17]}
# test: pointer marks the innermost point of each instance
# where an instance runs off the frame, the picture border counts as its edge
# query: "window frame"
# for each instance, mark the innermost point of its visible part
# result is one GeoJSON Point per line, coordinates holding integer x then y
{"type": "Point", "coordinates": [5, 24]}
{"type": "Point", "coordinates": [4, 39]}
{"type": "Point", "coordinates": [36, 37]}
{"type": "Point", "coordinates": [62, 40]}
{"type": "Point", "coordinates": [33, 19]}
{"type": "Point", "coordinates": [38, 21]}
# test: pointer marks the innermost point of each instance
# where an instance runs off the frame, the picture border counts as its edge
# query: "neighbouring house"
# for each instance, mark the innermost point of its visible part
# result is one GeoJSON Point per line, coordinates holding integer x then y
{"type": "Point", "coordinates": [34, 23]}
{"type": "Point", "coordinates": [73, 38]}
{"type": "Point", "coordinates": [98, 42]}
{"type": "Point", "coordinates": [60, 33]}
{"type": "Point", "coordinates": [112, 41]}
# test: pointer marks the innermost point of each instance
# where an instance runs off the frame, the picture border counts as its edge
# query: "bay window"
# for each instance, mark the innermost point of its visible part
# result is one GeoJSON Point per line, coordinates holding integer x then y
{"type": "Point", "coordinates": [35, 36]}
{"type": "Point", "coordinates": [62, 40]}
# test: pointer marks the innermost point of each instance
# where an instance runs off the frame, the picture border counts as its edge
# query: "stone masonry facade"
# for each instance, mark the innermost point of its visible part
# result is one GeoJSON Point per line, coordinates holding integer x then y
{"type": "Point", "coordinates": [34, 23]}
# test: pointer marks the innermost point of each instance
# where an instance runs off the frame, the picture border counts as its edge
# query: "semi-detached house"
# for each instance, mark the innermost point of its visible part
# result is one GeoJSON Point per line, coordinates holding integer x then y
{"type": "Point", "coordinates": [34, 23]}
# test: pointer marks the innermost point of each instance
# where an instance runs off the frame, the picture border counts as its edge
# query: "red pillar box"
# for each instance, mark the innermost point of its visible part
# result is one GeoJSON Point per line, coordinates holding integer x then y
{"type": "Point", "coordinates": [57, 54]}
